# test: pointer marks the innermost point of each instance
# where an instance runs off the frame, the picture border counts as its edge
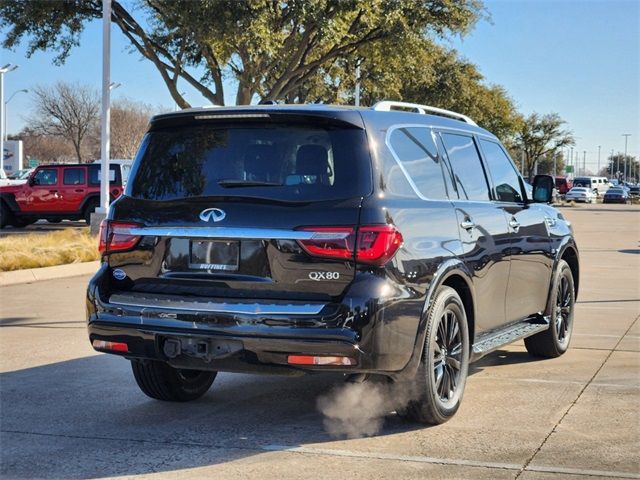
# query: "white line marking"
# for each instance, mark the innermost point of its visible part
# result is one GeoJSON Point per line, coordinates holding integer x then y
{"type": "Point", "coordinates": [443, 461]}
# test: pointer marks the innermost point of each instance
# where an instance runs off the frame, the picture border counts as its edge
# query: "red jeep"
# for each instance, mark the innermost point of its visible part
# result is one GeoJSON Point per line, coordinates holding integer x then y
{"type": "Point", "coordinates": [55, 193]}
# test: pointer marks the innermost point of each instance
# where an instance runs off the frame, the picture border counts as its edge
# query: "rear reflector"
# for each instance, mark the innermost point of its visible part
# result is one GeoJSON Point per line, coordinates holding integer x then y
{"type": "Point", "coordinates": [373, 244]}
{"type": "Point", "coordinates": [319, 360]}
{"type": "Point", "coordinates": [114, 346]}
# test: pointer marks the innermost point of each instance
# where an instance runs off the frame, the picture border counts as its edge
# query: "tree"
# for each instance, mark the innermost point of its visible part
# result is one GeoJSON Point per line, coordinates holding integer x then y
{"type": "Point", "coordinates": [272, 48]}
{"type": "Point", "coordinates": [45, 148]}
{"type": "Point", "coordinates": [615, 166]}
{"type": "Point", "coordinates": [66, 111]}
{"type": "Point", "coordinates": [129, 122]}
{"type": "Point", "coordinates": [541, 136]}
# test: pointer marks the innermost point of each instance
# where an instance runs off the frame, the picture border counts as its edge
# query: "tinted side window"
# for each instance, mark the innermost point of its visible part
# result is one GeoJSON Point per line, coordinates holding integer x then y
{"type": "Point", "coordinates": [468, 171]}
{"type": "Point", "coordinates": [504, 176]}
{"type": "Point", "coordinates": [73, 176]}
{"type": "Point", "coordinates": [46, 176]}
{"type": "Point", "coordinates": [95, 172]}
{"type": "Point", "coordinates": [415, 149]}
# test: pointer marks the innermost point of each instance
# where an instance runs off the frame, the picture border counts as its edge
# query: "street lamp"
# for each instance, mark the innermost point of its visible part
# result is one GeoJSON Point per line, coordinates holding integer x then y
{"type": "Point", "coordinates": [24, 90]}
{"type": "Point", "coordinates": [114, 85]}
{"type": "Point", "coordinates": [626, 138]}
{"type": "Point", "coordinates": [4, 69]}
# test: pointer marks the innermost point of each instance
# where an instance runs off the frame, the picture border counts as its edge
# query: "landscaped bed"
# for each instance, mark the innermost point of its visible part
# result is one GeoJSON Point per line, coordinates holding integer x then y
{"type": "Point", "coordinates": [18, 252]}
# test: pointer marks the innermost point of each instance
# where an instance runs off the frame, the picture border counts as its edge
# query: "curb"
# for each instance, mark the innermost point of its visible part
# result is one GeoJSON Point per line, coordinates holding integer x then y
{"type": "Point", "coordinates": [30, 275]}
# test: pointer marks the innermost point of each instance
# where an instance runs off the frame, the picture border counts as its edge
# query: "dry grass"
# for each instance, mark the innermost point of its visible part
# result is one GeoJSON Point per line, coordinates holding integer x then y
{"type": "Point", "coordinates": [18, 252]}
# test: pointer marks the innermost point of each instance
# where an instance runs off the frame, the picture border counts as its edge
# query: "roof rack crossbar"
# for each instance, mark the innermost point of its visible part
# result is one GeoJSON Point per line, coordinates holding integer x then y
{"type": "Point", "coordinates": [388, 105]}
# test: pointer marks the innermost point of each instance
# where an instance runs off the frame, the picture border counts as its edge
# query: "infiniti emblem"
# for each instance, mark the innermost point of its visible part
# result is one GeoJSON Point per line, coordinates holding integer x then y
{"type": "Point", "coordinates": [212, 215]}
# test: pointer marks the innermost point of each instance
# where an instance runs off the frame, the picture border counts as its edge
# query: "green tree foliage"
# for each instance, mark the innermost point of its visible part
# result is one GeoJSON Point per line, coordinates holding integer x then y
{"type": "Point", "coordinates": [270, 47]}
{"type": "Point", "coordinates": [294, 51]}
{"type": "Point", "coordinates": [539, 137]}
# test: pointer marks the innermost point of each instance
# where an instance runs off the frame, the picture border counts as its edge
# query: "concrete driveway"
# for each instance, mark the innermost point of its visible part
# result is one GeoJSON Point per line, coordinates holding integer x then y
{"type": "Point", "coordinates": [67, 412]}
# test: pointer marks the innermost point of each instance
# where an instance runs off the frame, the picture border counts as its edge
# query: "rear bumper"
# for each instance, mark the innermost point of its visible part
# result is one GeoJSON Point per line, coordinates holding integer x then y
{"type": "Point", "coordinates": [369, 330]}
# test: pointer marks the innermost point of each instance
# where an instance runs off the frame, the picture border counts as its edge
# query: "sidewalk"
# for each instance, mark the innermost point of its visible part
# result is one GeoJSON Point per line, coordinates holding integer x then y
{"type": "Point", "coordinates": [47, 273]}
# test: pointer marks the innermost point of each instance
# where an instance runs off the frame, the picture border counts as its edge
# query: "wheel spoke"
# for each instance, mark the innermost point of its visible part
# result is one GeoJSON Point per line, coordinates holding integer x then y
{"type": "Point", "coordinates": [454, 331]}
{"type": "Point", "coordinates": [453, 381]}
{"type": "Point", "coordinates": [440, 381]}
{"type": "Point", "coordinates": [456, 350]}
{"type": "Point", "coordinates": [453, 363]}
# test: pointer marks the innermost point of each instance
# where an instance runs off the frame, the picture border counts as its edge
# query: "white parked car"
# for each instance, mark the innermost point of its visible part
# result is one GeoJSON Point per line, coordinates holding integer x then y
{"type": "Point", "coordinates": [580, 194]}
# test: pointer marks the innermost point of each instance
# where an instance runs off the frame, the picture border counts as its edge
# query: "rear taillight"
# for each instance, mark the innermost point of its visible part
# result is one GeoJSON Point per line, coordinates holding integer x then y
{"type": "Point", "coordinates": [115, 236]}
{"type": "Point", "coordinates": [373, 244]}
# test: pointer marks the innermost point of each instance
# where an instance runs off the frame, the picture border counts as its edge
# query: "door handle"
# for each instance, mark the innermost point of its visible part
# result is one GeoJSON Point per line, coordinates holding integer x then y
{"type": "Point", "coordinates": [513, 223]}
{"type": "Point", "coordinates": [53, 191]}
{"type": "Point", "coordinates": [79, 190]}
{"type": "Point", "coordinates": [467, 224]}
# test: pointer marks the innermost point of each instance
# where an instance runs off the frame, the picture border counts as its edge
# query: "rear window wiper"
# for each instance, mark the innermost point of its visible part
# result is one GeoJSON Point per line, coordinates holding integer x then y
{"type": "Point", "coordinates": [247, 183]}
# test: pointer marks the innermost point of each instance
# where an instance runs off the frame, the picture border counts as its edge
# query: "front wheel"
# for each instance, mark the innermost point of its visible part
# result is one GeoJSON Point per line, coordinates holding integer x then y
{"type": "Point", "coordinates": [554, 341]}
{"type": "Point", "coordinates": [161, 381]}
{"type": "Point", "coordinates": [439, 383]}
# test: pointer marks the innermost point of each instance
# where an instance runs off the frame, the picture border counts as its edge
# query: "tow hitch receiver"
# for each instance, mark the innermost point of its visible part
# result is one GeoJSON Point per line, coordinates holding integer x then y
{"type": "Point", "coordinates": [204, 349]}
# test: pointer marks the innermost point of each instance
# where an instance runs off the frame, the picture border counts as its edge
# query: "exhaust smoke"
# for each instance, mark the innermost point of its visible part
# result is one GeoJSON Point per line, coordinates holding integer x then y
{"type": "Point", "coordinates": [355, 410]}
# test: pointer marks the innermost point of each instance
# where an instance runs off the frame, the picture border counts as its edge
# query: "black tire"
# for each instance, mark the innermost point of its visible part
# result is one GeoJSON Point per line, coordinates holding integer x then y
{"type": "Point", "coordinates": [6, 217]}
{"type": "Point", "coordinates": [434, 402]}
{"type": "Point", "coordinates": [89, 209]}
{"type": "Point", "coordinates": [160, 381]}
{"type": "Point", "coordinates": [54, 220]}
{"type": "Point", "coordinates": [554, 341]}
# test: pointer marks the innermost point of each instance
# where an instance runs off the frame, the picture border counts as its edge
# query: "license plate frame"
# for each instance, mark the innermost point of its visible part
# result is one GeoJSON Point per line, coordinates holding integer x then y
{"type": "Point", "coordinates": [214, 255]}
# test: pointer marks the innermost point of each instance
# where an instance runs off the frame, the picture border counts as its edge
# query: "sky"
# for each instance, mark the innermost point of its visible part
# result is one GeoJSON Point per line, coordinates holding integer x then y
{"type": "Point", "coordinates": [578, 58]}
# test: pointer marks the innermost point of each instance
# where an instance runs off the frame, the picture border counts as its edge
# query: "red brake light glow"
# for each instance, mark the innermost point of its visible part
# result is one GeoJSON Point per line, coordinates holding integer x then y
{"type": "Point", "coordinates": [115, 237]}
{"type": "Point", "coordinates": [376, 244]}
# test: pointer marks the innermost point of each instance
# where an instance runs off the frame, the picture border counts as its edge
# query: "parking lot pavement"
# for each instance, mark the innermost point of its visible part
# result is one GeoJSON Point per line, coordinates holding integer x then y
{"type": "Point", "coordinates": [42, 226]}
{"type": "Point", "coordinates": [68, 412]}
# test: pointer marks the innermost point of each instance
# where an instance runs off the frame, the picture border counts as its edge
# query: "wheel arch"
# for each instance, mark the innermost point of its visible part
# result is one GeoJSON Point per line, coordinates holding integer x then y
{"type": "Point", "coordinates": [452, 273]}
{"type": "Point", "coordinates": [570, 255]}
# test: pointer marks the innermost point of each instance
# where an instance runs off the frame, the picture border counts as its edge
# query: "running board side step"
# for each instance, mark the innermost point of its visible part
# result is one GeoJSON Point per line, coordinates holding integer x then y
{"type": "Point", "coordinates": [516, 331]}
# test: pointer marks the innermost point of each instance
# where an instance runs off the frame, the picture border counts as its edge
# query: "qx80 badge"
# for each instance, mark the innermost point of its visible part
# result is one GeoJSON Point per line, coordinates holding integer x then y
{"type": "Point", "coordinates": [318, 276]}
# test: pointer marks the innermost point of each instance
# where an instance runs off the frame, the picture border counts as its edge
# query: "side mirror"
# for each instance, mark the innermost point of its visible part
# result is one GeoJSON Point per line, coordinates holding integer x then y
{"type": "Point", "coordinates": [32, 180]}
{"type": "Point", "coordinates": [543, 186]}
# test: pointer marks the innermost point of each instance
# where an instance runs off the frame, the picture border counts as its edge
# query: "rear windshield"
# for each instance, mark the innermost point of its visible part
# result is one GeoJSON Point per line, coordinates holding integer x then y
{"type": "Point", "coordinates": [275, 161]}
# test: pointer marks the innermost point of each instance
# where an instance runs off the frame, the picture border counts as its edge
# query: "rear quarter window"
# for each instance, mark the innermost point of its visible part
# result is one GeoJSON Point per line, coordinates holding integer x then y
{"type": "Point", "coordinates": [416, 151]}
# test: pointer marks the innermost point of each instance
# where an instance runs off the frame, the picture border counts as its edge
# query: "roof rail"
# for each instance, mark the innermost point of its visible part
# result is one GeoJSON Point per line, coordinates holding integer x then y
{"type": "Point", "coordinates": [388, 105]}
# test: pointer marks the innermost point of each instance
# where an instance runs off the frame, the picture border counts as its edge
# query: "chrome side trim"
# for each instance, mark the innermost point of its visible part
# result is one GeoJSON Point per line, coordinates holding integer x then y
{"type": "Point", "coordinates": [229, 232]}
{"type": "Point", "coordinates": [241, 308]}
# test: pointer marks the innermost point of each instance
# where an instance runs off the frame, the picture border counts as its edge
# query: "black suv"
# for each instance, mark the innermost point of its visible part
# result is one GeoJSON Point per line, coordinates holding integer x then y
{"type": "Point", "coordinates": [382, 242]}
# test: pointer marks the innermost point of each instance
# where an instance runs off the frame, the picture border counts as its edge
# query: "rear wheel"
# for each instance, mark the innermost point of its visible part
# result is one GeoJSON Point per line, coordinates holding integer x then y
{"type": "Point", "coordinates": [554, 341]}
{"type": "Point", "coordinates": [439, 383]}
{"type": "Point", "coordinates": [161, 381]}
{"type": "Point", "coordinates": [89, 209]}
{"type": "Point", "coordinates": [6, 217]}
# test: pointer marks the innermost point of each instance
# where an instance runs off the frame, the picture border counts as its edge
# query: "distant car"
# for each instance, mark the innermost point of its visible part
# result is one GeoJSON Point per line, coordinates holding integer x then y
{"type": "Point", "coordinates": [616, 195]}
{"type": "Point", "coordinates": [55, 193]}
{"type": "Point", "coordinates": [19, 177]}
{"type": "Point", "coordinates": [563, 185]}
{"type": "Point", "coordinates": [598, 185]}
{"type": "Point", "coordinates": [634, 191]}
{"type": "Point", "coordinates": [580, 194]}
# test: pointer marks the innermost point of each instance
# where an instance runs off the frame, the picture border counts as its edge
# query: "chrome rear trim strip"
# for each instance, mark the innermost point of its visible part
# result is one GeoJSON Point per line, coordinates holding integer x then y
{"type": "Point", "coordinates": [217, 307]}
{"type": "Point", "coordinates": [229, 232]}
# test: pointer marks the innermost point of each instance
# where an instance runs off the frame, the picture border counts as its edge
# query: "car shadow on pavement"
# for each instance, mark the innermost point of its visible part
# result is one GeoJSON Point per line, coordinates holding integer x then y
{"type": "Point", "coordinates": [86, 418]}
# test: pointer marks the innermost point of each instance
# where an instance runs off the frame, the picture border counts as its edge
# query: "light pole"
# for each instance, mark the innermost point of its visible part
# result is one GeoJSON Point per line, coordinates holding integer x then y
{"type": "Point", "coordinates": [598, 172]}
{"type": "Point", "coordinates": [626, 138]}
{"type": "Point", "coordinates": [571, 163]}
{"type": "Point", "coordinates": [5, 69]}
{"type": "Point", "coordinates": [105, 130]}
{"type": "Point", "coordinates": [584, 162]}
{"type": "Point", "coordinates": [24, 90]}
